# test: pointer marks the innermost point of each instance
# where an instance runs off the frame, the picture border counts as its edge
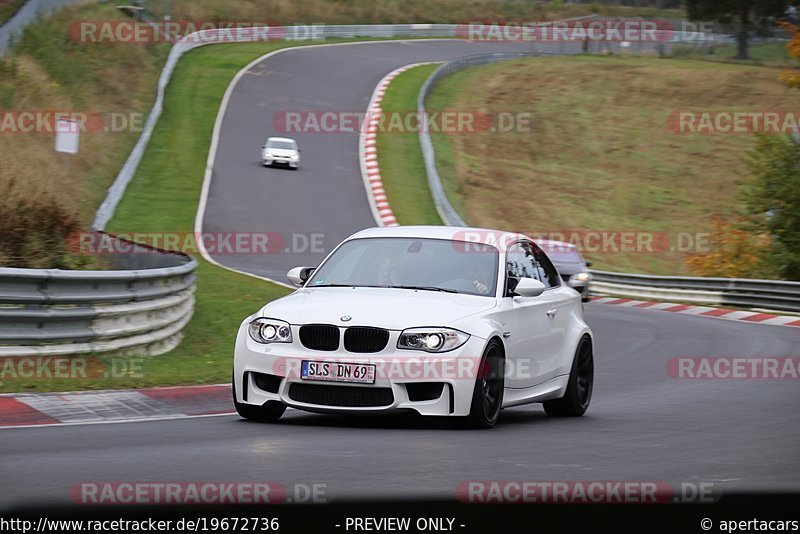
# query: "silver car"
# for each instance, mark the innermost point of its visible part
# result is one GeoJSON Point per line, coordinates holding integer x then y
{"type": "Point", "coordinates": [574, 270]}
{"type": "Point", "coordinates": [280, 151]}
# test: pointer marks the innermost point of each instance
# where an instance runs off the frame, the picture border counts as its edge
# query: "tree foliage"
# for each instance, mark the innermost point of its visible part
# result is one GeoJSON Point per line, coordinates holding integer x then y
{"type": "Point", "coordinates": [732, 252]}
{"type": "Point", "coordinates": [792, 77]}
{"type": "Point", "coordinates": [746, 13]}
{"type": "Point", "coordinates": [771, 200]}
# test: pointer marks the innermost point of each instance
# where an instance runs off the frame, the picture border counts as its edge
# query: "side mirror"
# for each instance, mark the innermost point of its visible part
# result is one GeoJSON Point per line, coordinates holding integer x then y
{"type": "Point", "coordinates": [528, 287]}
{"type": "Point", "coordinates": [588, 263]}
{"type": "Point", "coordinates": [300, 275]}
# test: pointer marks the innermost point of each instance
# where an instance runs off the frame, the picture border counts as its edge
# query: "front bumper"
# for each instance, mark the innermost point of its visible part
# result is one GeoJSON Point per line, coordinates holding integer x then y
{"type": "Point", "coordinates": [281, 161]}
{"type": "Point", "coordinates": [400, 376]}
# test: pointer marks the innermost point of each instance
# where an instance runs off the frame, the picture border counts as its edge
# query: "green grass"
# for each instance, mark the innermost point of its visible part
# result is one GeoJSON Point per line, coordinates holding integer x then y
{"type": "Point", "coordinates": [601, 155]}
{"type": "Point", "coordinates": [400, 155]}
{"type": "Point", "coordinates": [768, 54]}
{"type": "Point", "coordinates": [8, 8]}
{"type": "Point", "coordinates": [164, 196]}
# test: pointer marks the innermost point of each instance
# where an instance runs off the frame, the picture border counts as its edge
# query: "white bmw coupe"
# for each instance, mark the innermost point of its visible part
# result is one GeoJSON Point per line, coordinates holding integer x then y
{"type": "Point", "coordinates": [437, 320]}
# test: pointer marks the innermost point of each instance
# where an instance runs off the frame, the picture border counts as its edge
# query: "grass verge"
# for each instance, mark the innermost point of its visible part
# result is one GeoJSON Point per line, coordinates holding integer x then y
{"type": "Point", "coordinates": [8, 9]}
{"type": "Point", "coordinates": [163, 196]}
{"type": "Point", "coordinates": [400, 155]}
{"type": "Point", "coordinates": [601, 156]}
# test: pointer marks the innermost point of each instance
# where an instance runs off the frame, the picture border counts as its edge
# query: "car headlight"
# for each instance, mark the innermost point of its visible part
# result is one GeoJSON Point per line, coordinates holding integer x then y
{"type": "Point", "coordinates": [263, 330]}
{"type": "Point", "coordinates": [431, 339]}
{"type": "Point", "coordinates": [293, 156]}
{"type": "Point", "coordinates": [581, 277]}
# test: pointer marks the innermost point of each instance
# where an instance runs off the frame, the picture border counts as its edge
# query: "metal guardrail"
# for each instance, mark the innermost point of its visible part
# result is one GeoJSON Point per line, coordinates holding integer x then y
{"type": "Point", "coordinates": [737, 292]}
{"type": "Point", "coordinates": [32, 11]}
{"type": "Point", "coordinates": [139, 307]}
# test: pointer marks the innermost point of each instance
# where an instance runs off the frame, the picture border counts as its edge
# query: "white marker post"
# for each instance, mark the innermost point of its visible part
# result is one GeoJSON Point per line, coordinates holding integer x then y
{"type": "Point", "coordinates": [68, 137]}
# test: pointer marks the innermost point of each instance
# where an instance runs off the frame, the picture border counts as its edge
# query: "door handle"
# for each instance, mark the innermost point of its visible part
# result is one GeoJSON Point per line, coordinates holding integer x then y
{"type": "Point", "coordinates": [552, 312]}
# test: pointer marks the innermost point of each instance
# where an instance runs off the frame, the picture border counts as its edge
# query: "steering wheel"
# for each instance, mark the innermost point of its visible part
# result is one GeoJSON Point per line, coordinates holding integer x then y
{"type": "Point", "coordinates": [462, 285]}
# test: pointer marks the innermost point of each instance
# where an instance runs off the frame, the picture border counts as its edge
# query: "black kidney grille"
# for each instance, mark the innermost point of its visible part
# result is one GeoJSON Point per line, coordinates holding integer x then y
{"type": "Point", "coordinates": [349, 396]}
{"type": "Point", "coordinates": [319, 336]}
{"type": "Point", "coordinates": [365, 339]}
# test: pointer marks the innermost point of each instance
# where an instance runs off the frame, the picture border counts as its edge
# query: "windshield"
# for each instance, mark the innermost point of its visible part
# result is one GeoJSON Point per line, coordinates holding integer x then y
{"type": "Point", "coordinates": [562, 254]}
{"type": "Point", "coordinates": [410, 263]}
{"type": "Point", "coordinates": [282, 145]}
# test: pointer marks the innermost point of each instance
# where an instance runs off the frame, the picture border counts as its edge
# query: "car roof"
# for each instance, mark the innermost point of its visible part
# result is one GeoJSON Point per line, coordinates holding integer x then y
{"type": "Point", "coordinates": [281, 139]}
{"type": "Point", "coordinates": [455, 233]}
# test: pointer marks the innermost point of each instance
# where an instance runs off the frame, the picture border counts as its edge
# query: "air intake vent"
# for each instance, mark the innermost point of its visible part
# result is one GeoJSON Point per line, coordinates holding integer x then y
{"type": "Point", "coordinates": [424, 391]}
{"type": "Point", "coordinates": [319, 336]}
{"type": "Point", "coordinates": [365, 339]}
{"type": "Point", "coordinates": [349, 396]}
{"type": "Point", "coordinates": [269, 383]}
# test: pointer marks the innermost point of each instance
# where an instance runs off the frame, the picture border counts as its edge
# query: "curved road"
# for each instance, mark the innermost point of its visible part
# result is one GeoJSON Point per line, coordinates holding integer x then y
{"type": "Point", "coordinates": [642, 425]}
{"type": "Point", "coordinates": [326, 196]}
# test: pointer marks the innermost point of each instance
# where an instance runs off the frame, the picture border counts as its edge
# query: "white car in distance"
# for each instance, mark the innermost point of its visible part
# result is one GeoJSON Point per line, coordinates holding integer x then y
{"type": "Point", "coordinates": [417, 318]}
{"type": "Point", "coordinates": [280, 151]}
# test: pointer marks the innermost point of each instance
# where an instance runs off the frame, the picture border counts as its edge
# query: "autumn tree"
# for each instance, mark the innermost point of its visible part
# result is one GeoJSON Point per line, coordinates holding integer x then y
{"type": "Point", "coordinates": [771, 200]}
{"type": "Point", "coordinates": [733, 252]}
{"type": "Point", "coordinates": [792, 77]}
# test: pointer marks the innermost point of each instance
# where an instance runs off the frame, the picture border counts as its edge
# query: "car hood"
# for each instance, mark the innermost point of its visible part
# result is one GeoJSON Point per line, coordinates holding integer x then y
{"type": "Point", "coordinates": [393, 309]}
{"type": "Point", "coordinates": [280, 152]}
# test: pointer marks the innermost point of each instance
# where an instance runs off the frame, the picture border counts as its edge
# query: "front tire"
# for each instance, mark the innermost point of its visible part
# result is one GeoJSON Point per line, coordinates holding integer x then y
{"type": "Point", "coordinates": [271, 411]}
{"type": "Point", "coordinates": [487, 397]}
{"type": "Point", "coordinates": [576, 399]}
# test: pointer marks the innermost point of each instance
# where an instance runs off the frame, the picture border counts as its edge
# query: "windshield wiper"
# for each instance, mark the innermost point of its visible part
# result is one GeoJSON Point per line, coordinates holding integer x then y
{"type": "Point", "coordinates": [344, 285]}
{"type": "Point", "coordinates": [422, 288]}
{"type": "Point", "coordinates": [426, 288]}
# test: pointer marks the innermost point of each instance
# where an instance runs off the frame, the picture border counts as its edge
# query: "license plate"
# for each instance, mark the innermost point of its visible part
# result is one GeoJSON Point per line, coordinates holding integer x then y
{"type": "Point", "coordinates": [360, 373]}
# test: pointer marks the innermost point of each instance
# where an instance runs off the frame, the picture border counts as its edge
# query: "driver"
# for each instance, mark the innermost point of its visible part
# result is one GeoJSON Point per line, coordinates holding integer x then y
{"type": "Point", "coordinates": [479, 276]}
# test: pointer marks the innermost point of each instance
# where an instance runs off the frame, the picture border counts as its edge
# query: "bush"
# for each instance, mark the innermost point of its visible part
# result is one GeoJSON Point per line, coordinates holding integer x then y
{"type": "Point", "coordinates": [772, 201]}
{"type": "Point", "coordinates": [35, 231]}
{"type": "Point", "coordinates": [733, 252]}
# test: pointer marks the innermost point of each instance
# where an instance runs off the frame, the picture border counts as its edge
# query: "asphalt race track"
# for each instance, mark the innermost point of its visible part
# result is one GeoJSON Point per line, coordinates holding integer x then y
{"type": "Point", "coordinates": [643, 425]}
{"type": "Point", "coordinates": [326, 196]}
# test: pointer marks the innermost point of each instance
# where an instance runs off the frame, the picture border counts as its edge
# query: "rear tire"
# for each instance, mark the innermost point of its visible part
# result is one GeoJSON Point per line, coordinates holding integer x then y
{"type": "Point", "coordinates": [271, 410]}
{"type": "Point", "coordinates": [576, 399]}
{"type": "Point", "coordinates": [487, 397]}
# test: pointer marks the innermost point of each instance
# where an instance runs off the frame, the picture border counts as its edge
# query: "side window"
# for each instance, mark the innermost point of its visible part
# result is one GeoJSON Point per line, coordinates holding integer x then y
{"type": "Point", "coordinates": [520, 262]}
{"type": "Point", "coordinates": [547, 271]}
